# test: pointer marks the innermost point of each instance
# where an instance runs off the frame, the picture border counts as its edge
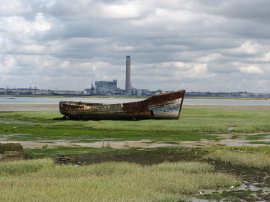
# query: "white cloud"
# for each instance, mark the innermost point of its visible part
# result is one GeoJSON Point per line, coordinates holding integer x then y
{"type": "Point", "coordinates": [6, 64]}
{"type": "Point", "coordinates": [199, 71]}
{"type": "Point", "coordinates": [252, 69]}
{"type": "Point", "coordinates": [14, 7]}
{"type": "Point", "coordinates": [31, 49]}
{"type": "Point", "coordinates": [265, 57]}
{"type": "Point", "coordinates": [121, 11]}
{"type": "Point", "coordinates": [20, 27]}
{"type": "Point", "coordinates": [171, 65]}
{"type": "Point", "coordinates": [251, 47]}
{"type": "Point", "coordinates": [210, 57]}
{"type": "Point", "coordinates": [182, 70]}
{"type": "Point", "coordinates": [41, 24]}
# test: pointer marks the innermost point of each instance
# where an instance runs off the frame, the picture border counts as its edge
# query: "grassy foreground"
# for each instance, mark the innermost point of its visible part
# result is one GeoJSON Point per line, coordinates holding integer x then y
{"type": "Point", "coordinates": [194, 124]}
{"type": "Point", "coordinates": [259, 160]}
{"type": "Point", "coordinates": [40, 180]}
{"type": "Point", "coordinates": [173, 174]}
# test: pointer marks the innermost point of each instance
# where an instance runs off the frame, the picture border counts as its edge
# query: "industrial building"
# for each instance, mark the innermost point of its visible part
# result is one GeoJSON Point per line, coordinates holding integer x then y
{"type": "Point", "coordinates": [18, 91]}
{"type": "Point", "coordinates": [106, 87]}
{"type": "Point", "coordinates": [110, 87]}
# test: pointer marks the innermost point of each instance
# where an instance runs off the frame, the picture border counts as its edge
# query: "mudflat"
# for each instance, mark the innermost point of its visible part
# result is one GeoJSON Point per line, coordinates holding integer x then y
{"type": "Point", "coordinates": [28, 107]}
{"type": "Point", "coordinates": [227, 107]}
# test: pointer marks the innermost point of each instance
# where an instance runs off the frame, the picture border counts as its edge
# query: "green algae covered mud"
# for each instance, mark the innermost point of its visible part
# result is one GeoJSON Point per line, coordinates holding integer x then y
{"type": "Point", "coordinates": [198, 126]}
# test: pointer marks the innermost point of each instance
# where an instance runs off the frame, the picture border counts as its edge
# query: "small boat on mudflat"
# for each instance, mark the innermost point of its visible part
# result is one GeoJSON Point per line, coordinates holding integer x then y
{"type": "Point", "coordinates": [161, 106]}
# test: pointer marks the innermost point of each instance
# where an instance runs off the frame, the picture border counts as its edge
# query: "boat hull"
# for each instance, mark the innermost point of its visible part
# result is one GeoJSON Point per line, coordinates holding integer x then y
{"type": "Point", "coordinates": [162, 106]}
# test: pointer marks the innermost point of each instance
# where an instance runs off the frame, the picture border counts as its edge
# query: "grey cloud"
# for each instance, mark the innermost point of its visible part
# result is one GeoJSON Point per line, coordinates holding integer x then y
{"type": "Point", "coordinates": [249, 10]}
{"type": "Point", "coordinates": [218, 42]}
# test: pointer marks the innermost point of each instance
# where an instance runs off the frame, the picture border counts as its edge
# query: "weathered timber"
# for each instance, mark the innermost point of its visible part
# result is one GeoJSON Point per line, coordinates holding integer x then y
{"type": "Point", "coordinates": [161, 106]}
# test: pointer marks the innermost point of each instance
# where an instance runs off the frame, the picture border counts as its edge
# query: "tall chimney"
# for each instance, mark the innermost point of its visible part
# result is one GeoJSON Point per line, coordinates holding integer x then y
{"type": "Point", "coordinates": [128, 83]}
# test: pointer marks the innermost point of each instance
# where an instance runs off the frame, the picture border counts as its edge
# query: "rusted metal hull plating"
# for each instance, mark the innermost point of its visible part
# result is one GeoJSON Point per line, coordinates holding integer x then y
{"type": "Point", "coordinates": [162, 106]}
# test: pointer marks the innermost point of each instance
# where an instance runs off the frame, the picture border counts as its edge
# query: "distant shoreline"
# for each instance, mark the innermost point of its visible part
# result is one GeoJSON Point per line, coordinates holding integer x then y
{"type": "Point", "coordinates": [131, 97]}
{"type": "Point", "coordinates": [71, 96]}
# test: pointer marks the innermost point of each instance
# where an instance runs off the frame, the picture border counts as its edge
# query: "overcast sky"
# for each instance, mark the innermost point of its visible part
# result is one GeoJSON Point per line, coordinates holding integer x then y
{"type": "Point", "coordinates": [197, 45]}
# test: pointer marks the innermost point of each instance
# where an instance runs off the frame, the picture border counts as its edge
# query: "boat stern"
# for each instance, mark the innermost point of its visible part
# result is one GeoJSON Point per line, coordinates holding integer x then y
{"type": "Point", "coordinates": [167, 110]}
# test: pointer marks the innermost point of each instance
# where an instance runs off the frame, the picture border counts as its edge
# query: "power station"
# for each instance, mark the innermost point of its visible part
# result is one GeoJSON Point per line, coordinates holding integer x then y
{"type": "Point", "coordinates": [110, 87]}
{"type": "Point", "coordinates": [128, 82]}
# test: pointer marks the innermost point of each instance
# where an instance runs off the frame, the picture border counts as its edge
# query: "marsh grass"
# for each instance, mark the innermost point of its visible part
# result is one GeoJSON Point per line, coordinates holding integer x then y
{"type": "Point", "coordinates": [185, 167]}
{"type": "Point", "coordinates": [259, 160]}
{"type": "Point", "coordinates": [194, 124]}
{"type": "Point", "coordinates": [112, 182]}
{"type": "Point", "coordinates": [260, 142]}
{"type": "Point", "coordinates": [257, 137]}
{"type": "Point", "coordinates": [22, 167]}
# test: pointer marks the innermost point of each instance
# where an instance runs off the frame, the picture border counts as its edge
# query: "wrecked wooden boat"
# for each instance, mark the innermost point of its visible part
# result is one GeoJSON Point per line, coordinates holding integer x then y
{"type": "Point", "coordinates": [161, 106]}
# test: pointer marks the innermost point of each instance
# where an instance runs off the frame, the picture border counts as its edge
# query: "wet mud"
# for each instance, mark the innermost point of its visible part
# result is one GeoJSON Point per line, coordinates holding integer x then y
{"type": "Point", "coordinates": [255, 184]}
{"type": "Point", "coordinates": [139, 156]}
